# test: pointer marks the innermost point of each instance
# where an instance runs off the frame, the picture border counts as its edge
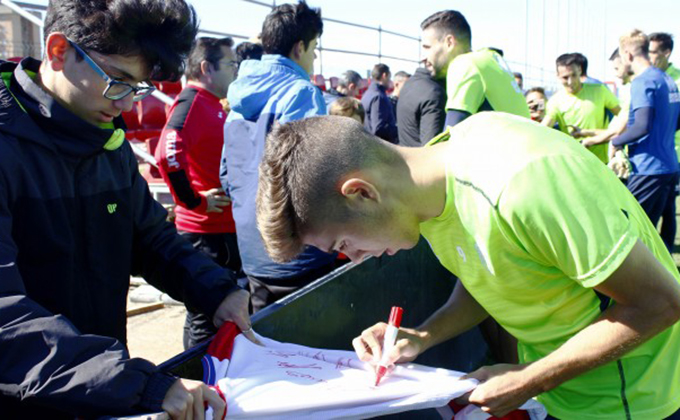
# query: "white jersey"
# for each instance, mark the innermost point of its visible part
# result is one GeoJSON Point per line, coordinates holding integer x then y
{"type": "Point", "coordinates": [282, 380]}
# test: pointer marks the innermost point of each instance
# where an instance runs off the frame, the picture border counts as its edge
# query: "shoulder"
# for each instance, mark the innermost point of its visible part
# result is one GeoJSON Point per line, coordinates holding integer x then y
{"type": "Point", "coordinates": [557, 97]}
{"type": "Point", "coordinates": [299, 86]}
{"type": "Point", "coordinates": [646, 80]}
{"type": "Point", "coordinates": [180, 112]}
{"type": "Point", "coordinates": [422, 86]}
{"type": "Point", "coordinates": [463, 61]}
{"type": "Point", "coordinates": [598, 89]}
{"type": "Point", "coordinates": [301, 100]}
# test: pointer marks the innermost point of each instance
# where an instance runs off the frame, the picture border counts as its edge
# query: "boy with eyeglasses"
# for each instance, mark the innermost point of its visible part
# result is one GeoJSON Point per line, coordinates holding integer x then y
{"type": "Point", "coordinates": [77, 219]}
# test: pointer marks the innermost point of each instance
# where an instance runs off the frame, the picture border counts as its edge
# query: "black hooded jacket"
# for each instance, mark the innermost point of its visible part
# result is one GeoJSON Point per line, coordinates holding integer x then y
{"type": "Point", "coordinates": [76, 220]}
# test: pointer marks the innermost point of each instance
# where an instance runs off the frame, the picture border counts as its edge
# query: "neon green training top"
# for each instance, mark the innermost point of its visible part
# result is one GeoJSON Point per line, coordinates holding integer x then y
{"type": "Point", "coordinates": [674, 73]}
{"type": "Point", "coordinates": [481, 81]}
{"type": "Point", "coordinates": [584, 110]}
{"type": "Point", "coordinates": [532, 223]}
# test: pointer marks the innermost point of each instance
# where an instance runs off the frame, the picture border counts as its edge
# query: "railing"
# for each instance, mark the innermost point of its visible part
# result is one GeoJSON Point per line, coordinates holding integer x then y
{"type": "Point", "coordinates": [533, 75]}
{"type": "Point", "coordinates": [379, 53]}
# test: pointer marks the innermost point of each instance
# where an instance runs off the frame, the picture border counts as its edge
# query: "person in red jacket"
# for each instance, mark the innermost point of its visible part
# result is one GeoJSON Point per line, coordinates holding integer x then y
{"type": "Point", "coordinates": [189, 153]}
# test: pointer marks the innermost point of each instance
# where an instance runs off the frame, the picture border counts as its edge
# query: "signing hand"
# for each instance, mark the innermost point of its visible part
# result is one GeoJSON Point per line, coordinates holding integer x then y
{"type": "Point", "coordinates": [215, 199]}
{"type": "Point", "coordinates": [235, 308]}
{"type": "Point", "coordinates": [368, 346]}
{"type": "Point", "coordinates": [502, 389]}
{"type": "Point", "coordinates": [185, 400]}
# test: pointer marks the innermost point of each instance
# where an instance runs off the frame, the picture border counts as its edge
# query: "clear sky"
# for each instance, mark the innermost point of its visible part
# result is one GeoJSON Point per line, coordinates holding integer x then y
{"type": "Point", "coordinates": [532, 33]}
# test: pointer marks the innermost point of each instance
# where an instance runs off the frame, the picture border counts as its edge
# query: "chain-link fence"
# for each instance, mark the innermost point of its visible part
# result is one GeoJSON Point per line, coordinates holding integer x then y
{"type": "Point", "coordinates": [9, 49]}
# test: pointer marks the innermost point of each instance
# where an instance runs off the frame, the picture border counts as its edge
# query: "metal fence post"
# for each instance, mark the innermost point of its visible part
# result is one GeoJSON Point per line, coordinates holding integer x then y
{"type": "Point", "coordinates": [379, 43]}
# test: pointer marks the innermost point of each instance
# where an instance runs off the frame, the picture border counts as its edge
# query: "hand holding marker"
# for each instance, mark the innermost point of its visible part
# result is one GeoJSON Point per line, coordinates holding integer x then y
{"type": "Point", "coordinates": [388, 342]}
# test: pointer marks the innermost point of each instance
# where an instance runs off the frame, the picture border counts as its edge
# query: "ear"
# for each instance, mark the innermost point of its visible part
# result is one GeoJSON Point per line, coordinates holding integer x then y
{"type": "Point", "coordinates": [56, 48]}
{"type": "Point", "coordinates": [206, 68]}
{"type": "Point", "coordinates": [298, 49]}
{"type": "Point", "coordinates": [360, 191]}
{"type": "Point", "coordinates": [450, 41]}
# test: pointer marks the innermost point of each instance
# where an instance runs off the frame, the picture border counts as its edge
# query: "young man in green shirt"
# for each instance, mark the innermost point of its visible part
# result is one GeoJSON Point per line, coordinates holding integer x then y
{"type": "Point", "coordinates": [618, 124]}
{"type": "Point", "coordinates": [660, 50]}
{"type": "Point", "coordinates": [544, 238]}
{"type": "Point", "coordinates": [580, 105]}
{"type": "Point", "coordinates": [475, 81]}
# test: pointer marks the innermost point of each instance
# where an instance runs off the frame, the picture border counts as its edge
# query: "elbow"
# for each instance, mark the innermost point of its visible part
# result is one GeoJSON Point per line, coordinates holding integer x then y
{"type": "Point", "coordinates": [674, 311]}
{"type": "Point", "coordinates": [669, 312]}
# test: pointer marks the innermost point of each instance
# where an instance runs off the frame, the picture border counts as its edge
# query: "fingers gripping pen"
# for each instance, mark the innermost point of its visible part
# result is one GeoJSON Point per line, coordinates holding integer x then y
{"type": "Point", "coordinates": [389, 341]}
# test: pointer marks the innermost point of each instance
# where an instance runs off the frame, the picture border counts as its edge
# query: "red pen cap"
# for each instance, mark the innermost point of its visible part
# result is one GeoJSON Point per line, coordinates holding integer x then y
{"type": "Point", "coordinates": [395, 316]}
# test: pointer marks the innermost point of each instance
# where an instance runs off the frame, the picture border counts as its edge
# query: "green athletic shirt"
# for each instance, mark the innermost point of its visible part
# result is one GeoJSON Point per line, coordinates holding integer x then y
{"type": "Point", "coordinates": [584, 110]}
{"type": "Point", "coordinates": [674, 73]}
{"type": "Point", "coordinates": [478, 80]}
{"type": "Point", "coordinates": [532, 223]}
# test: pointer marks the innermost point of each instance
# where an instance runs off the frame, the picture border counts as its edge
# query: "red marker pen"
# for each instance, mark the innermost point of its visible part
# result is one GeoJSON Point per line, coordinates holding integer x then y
{"type": "Point", "coordinates": [388, 342]}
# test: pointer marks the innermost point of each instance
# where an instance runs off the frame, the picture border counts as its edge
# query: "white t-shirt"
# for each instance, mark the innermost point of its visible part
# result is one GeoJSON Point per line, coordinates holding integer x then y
{"type": "Point", "coordinates": [282, 380]}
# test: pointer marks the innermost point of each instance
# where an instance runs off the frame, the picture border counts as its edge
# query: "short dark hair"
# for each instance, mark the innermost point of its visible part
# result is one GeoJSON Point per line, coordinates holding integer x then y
{"type": "Point", "coordinates": [350, 76]}
{"type": "Point", "coordinates": [402, 74]}
{"type": "Point", "coordinates": [568, 60]}
{"type": "Point", "coordinates": [450, 22]}
{"type": "Point", "coordinates": [537, 89]}
{"type": "Point", "coordinates": [289, 24]}
{"type": "Point", "coordinates": [379, 70]}
{"type": "Point", "coordinates": [205, 49]}
{"type": "Point", "coordinates": [299, 173]}
{"type": "Point", "coordinates": [616, 54]}
{"type": "Point", "coordinates": [518, 75]}
{"type": "Point", "coordinates": [582, 62]}
{"type": "Point", "coordinates": [248, 51]}
{"type": "Point", "coordinates": [159, 31]}
{"type": "Point", "coordinates": [664, 39]}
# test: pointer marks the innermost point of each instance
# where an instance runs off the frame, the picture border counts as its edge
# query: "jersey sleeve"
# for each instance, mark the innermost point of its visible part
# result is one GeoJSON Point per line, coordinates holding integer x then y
{"type": "Point", "coordinates": [642, 94]}
{"type": "Point", "coordinates": [610, 100]}
{"type": "Point", "coordinates": [552, 109]}
{"type": "Point", "coordinates": [174, 167]}
{"type": "Point", "coordinates": [563, 212]}
{"type": "Point", "coordinates": [464, 86]}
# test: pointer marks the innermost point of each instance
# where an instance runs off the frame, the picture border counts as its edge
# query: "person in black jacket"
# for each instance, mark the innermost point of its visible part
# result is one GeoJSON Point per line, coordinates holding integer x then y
{"type": "Point", "coordinates": [380, 119]}
{"type": "Point", "coordinates": [421, 109]}
{"type": "Point", "coordinates": [77, 219]}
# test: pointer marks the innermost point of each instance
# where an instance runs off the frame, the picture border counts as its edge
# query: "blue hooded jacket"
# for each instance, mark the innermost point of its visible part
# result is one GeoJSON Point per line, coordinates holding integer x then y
{"type": "Point", "coordinates": [273, 89]}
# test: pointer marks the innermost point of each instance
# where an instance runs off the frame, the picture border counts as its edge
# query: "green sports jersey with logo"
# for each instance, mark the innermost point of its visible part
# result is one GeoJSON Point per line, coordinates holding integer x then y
{"type": "Point", "coordinates": [674, 73]}
{"type": "Point", "coordinates": [481, 80]}
{"type": "Point", "coordinates": [532, 223]}
{"type": "Point", "coordinates": [585, 110]}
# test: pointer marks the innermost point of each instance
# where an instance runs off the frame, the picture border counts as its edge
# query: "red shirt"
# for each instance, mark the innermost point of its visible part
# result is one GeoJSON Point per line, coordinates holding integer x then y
{"type": "Point", "coordinates": [189, 154]}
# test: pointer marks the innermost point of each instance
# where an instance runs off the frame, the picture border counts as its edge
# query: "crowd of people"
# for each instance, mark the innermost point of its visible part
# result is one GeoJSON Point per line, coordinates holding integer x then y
{"type": "Point", "coordinates": [552, 250]}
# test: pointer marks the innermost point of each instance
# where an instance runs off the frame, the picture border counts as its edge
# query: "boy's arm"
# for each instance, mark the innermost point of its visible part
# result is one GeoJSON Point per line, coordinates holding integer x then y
{"type": "Point", "coordinates": [460, 313]}
{"type": "Point", "coordinates": [647, 301]}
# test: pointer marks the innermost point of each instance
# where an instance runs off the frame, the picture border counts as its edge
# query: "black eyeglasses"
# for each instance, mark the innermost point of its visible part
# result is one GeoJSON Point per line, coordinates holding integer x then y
{"type": "Point", "coordinates": [116, 89]}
